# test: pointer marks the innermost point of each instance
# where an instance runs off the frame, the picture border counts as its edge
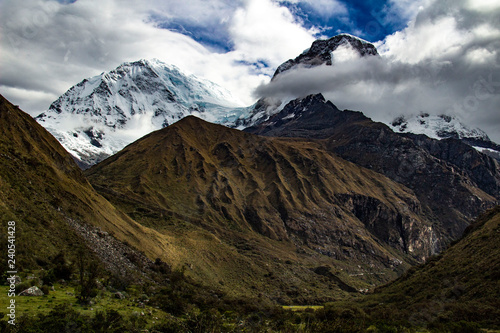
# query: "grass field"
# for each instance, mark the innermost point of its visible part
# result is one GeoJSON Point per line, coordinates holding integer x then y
{"type": "Point", "coordinates": [302, 307]}
{"type": "Point", "coordinates": [65, 295]}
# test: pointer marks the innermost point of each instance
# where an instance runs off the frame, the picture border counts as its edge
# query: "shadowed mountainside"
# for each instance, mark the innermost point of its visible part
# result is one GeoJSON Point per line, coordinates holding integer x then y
{"type": "Point", "coordinates": [453, 182]}
{"type": "Point", "coordinates": [461, 284]}
{"type": "Point", "coordinates": [54, 207]}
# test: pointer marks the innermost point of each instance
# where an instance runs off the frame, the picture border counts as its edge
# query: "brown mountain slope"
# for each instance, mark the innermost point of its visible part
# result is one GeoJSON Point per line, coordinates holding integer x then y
{"type": "Point", "coordinates": [462, 284]}
{"type": "Point", "coordinates": [453, 182]}
{"type": "Point", "coordinates": [271, 201]}
{"type": "Point", "coordinates": [45, 193]}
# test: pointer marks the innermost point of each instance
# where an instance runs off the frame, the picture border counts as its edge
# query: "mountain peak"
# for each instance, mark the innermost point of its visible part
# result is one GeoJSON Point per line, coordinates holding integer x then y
{"type": "Point", "coordinates": [436, 127]}
{"type": "Point", "coordinates": [102, 114]}
{"type": "Point", "coordinates": [322, 52]}
{"type": "Point", "coordinates": [446, 127]}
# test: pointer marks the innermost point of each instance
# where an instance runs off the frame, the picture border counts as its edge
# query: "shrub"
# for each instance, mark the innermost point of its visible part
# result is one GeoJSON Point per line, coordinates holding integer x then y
{"type": "Point", "coordinates": [456, 327]}
{"type": "Point", "coordinates": [23, 286]}
{"type": "Point", "coordinates": [45, 289]}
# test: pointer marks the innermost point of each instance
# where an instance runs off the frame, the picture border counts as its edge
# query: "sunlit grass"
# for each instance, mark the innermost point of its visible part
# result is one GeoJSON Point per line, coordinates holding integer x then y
{"type": "Point", "coordinates": [302, 307]}
{"type": "Point", "coordinates": [65, 295]}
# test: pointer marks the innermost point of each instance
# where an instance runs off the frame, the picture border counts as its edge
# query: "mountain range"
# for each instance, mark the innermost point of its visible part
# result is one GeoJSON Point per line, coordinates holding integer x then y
{"type": "Point", "coordinates": [433, 169]}
{"type": "Point", "coordinates": [101, 115]}
{"type": "Point", "coordinates": [276, 219]}
{"type": "Point", "coordinates": [214, 176]}
{"type": "Point", "coordinates": [296, 202]}
{"type": "Point", "coordinates": [185, 203]}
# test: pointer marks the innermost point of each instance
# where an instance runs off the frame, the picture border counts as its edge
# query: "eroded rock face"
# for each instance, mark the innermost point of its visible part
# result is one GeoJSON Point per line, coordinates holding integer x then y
{"type": "Point", "coordinates": [482, 169]}
{"type": "Point", "coordinates": [400, 230]}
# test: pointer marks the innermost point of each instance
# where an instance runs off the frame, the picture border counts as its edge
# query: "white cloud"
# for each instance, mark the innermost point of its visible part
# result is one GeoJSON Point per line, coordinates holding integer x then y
{"type": "Point", "coordinates": [482, 5]}
{"type": "Point", "coordinates": [405, 9]}
{"type": "Point", "coordinates": [47, 47]}
{"type": "Point", "coordinates": [262, 30]}
{"type": "Point", "coordinates": [446, 61]}
{"type": "Point", "coordinates": [31, 98]}
{"type": "Point", "coordinates": [437, 40]}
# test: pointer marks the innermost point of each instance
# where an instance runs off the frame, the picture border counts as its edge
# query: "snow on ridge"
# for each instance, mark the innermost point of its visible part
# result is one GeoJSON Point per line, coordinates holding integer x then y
{"type": "Point", "coordinates": [436, 127]}
{"type": "Point", "coordinates": [355, 37]}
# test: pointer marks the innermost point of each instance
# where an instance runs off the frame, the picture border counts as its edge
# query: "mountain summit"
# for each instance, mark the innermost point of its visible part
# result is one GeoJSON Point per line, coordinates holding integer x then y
{"type": "Point", "coordinates": [326, 51]}
{"type": "Point", "coordinates": [329, 52]}
{"type": "Point", "coordinates": [99, 116]}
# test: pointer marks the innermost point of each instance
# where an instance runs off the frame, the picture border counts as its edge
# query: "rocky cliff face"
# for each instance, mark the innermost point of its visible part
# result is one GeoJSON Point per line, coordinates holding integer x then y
{"type": "Point", "coordinates": [463, 281]}
{"type": "Point", "coordinates": [453, 184]}
{"type": "Point", "coordinates": [482, 169]}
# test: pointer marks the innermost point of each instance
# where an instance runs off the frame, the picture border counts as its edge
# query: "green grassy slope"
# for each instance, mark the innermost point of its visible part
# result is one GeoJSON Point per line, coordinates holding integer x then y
{"type": "Point", "coordinates": [42, 188]}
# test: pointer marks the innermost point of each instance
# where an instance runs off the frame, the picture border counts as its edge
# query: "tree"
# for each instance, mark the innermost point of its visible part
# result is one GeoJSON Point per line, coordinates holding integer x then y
{"type": "Point", "coordinates": [88, 271]}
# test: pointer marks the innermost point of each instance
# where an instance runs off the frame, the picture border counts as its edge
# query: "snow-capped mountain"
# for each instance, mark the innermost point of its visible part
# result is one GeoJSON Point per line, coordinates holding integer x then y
{"type": "Point", "coordinates": [99, 116]}
{"type": "Point", "coordinates": [436, 127]}
{"type": "Point", "coordinates": [445, 127]}
{"type": "Point", "coordinates": [329, 52]}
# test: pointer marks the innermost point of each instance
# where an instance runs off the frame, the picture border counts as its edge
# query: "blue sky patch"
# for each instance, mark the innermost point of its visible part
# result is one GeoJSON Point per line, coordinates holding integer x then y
{"type": "Point", "coordinates": [370, 20]}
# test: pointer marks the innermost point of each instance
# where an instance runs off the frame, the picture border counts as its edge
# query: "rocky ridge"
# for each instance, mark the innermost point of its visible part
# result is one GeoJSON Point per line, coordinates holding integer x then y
{"type": "Point", "coordinates": [322, 52]}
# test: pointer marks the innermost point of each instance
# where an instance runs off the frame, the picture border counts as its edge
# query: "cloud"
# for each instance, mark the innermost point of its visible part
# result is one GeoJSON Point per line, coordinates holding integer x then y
{"type": "Point", "coordinates": [205, 21]}
{"type": "Point", "coordinates": [31, 98]}
{"type": "Point", "coordinates": [324, 7]}
{"type": "Point", "coordinates": [263, 30]}
{"type": "Point", "coordinates": [446, 61]}
{"type": "Point", "coordinates": [48, 46]}
{"type": "Point", "coordinates": [402, 10]}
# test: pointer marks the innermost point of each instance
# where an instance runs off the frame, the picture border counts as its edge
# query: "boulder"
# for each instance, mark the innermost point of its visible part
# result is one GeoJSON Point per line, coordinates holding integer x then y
{"type": "Point", "coordinates": [119, 295]}
{"type": "Point", "coordinates": [32, 291]}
